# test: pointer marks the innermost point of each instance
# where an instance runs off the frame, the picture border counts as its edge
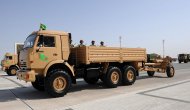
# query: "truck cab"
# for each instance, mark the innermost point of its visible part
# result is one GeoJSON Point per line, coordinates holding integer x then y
{"type": "Point", "coordinates": [9, 64]}
{"type": "Point", "coordinates": [44, 51]}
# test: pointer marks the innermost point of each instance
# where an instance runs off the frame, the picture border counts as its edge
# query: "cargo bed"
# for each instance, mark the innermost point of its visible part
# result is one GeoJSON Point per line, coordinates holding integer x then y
{"type": "Point", "coordinates": [93, 54]}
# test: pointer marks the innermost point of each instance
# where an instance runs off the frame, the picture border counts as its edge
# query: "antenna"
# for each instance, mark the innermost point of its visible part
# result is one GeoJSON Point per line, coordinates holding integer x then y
{"type": "Point", "coordinates": [120, 41]}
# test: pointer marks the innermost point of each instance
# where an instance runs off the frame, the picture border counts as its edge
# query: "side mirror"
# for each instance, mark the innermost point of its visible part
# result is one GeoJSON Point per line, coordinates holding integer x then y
{"type": "Point", "coordinates": [38, 49]}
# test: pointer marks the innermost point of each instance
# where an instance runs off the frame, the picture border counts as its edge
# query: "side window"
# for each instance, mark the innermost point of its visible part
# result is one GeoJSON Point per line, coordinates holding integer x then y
{"type": "Point", "coordinates": [49, 41]}
{"type": "Point", "coordinates": [10, 57]}
{"type": "Point", "coordinates": [46, 41]}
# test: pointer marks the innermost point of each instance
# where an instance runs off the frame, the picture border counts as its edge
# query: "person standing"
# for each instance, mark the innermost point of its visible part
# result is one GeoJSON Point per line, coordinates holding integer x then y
{"type": "Point", "coordinates": [81, 43]}
{"type": "Point", "coordinates": [93, 43]}
{"type": "Point", "coordinates": [102, 44]}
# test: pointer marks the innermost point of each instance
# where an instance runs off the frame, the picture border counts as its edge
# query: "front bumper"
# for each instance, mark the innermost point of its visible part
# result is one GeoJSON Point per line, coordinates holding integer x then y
{"type": "Point", "coordinates": [28, 76]}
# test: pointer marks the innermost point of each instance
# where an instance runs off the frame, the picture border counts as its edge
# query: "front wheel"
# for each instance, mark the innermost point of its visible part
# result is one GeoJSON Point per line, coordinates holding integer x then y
{"type": "Point", "coordinates": [170, 71]}
{"type": "Point", "coordinates": [12, 71]}
{"type": "Point", "coordinates": [58, 83]}
{"type": "Point", "coordinates": [38, 84]}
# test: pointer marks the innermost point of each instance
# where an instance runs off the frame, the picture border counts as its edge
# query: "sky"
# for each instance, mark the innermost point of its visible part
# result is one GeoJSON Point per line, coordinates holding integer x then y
{"type": "Point", "coordinates": [140, 23]}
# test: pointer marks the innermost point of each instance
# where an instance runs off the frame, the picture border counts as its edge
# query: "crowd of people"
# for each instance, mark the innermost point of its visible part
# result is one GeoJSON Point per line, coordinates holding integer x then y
{"type": "Point", "coordinates": [81, 43]}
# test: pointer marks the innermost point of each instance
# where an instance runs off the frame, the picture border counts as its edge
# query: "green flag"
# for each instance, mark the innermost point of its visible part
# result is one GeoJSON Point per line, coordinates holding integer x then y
{"type": "Point", "coordinates": [42, 27]}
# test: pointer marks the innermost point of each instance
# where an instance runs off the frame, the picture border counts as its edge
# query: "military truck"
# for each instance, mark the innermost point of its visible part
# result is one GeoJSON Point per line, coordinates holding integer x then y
{"type": "Point", "coordinates": [183, 58]}
{"type": "Point", "coordinates": [188, 57]}
{"type": "Point", "coordinates": [10, 62]}
{"type": "Point", "coordinates": [51, 64]}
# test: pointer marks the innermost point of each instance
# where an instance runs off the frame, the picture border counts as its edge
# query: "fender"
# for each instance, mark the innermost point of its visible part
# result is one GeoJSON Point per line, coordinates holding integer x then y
{"type": "Point", "coordinates": [17, 66]}
{"type": "Point", "coordinates": [56, 62]}
{"type": "Point", "coordinates": [14, 66]}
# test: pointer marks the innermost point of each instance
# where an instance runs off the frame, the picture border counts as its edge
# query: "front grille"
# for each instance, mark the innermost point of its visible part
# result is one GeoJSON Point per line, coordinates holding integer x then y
{"type": "Point", "coordinates": [23, 65]}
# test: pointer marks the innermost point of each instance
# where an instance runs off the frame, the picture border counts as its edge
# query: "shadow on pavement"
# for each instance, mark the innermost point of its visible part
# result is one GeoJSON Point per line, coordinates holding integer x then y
{"type": "Point", "coordinates": [21, 93]}
{"type": "Point", "coordinates": [29, 93]}
{"type": "Point", "coordinates": [148, 77]}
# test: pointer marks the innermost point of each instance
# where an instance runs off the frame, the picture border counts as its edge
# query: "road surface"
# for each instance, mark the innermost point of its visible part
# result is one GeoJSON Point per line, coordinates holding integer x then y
{"type": "Point", "coordinates": [156, 93]}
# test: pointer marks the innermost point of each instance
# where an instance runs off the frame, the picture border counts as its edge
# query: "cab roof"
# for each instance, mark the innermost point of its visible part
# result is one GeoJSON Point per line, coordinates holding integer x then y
{"type": "Point", "coordinates": [9, 54]}
{"type": "Point", "coordinates": [50, 32]}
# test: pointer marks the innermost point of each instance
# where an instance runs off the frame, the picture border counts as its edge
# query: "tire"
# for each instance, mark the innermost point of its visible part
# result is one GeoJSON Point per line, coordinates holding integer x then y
{"type": "Point", "coordinates": [129, 75]}
{"type": "Point", "coordinates": [113, 77]}
{"type": "Point", "coordinates": [51, 83]}
{"type": "Point", "coordinates": [38, 84]}
{"type": "Point", "coordinates": [170, 71]}
{"type": "Point", "coordinates": [91, 80]}
{"type": "Point", "coordinates": [150, 73]}
{"type": "Point", "coordinates": [12, 71]}
{"type": "Point", "coordinates": [185, 61]}
{"type": "Point", "coordinates": [179, 61]}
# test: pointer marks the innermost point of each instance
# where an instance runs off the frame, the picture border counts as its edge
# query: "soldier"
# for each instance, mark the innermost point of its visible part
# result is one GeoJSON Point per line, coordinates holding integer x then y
{"type": "Point", "coordinates": [81, 43]}
{"type": "Point", "coordinates": [93, 43]}
{"type": "Point", "coordinates": [102, 44]}
{"type": "Point", "coordinates": [71, 45]}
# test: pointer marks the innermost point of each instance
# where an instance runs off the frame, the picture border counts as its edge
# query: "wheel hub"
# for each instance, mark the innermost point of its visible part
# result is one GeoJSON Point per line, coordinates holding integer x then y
{"type": "Point", "coordinates": [13, 71]}
{"type": "Point", "coordinates": [130, 75]}
{"type": "Point", "coordinates": [172, 71]}
{"type": "Point", "coordinates": [59, 83]}
{"type": "Point", "coordinates": [115, 77]}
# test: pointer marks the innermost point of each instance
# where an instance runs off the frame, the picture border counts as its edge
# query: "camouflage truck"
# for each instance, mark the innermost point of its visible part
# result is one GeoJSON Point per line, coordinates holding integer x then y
{"type": "Point", "coordinates": [10, 64]}
{"type": "Point", "coordinates": [183, 58]}
{"type": "Point", "coordinates": [51, 64]}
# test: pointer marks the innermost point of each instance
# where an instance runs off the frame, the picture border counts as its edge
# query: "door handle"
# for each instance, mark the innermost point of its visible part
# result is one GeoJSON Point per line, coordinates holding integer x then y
{"type": "Point", "coordinates": [41, 51]}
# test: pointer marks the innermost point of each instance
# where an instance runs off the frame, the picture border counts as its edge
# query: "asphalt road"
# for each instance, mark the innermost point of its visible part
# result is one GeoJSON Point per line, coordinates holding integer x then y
{"type": "Point", "coordinates": [156, 93]}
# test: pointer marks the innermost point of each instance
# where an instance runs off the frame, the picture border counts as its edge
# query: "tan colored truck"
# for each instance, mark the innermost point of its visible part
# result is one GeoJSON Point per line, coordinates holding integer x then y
{"type": "Point", "coordinates": [10, 64]}
{"type": "Point", "coordinates": [51, 64]}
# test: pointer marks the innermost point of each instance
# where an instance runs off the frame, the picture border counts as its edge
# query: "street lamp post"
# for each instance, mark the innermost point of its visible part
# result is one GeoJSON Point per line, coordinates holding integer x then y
{"type": "Point", "coordinates": [163, 48]}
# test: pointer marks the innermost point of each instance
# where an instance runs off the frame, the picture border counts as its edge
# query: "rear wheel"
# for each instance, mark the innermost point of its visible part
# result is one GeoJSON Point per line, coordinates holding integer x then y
{"type": "Point", "coordinates": [38, 84]}
{"type": "Point", "coordinates": [112, 77]}
{"type": "Point", "coordinates": [170, 71]}
{"type": "Point", "coordinates": [150, 73]}
{"type": "Point", "coordinates": [129, 76]}
{"type": "Point", "coordinates": [58, 83]}
{"type": "Point", "coordinates": [12, 71]}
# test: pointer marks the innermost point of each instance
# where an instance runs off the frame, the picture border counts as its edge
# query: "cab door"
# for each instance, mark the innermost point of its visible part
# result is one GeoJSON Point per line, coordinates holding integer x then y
{"type": "Point", "coordinates": [48, 48]}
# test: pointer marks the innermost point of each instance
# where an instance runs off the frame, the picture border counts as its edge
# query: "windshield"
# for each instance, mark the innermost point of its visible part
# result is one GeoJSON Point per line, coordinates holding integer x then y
{"type": "Point", "coordinates": [8, 58]}
{"type": "Point", "coordinates": [30, 41]}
